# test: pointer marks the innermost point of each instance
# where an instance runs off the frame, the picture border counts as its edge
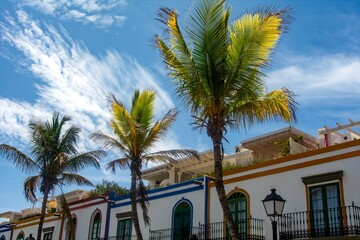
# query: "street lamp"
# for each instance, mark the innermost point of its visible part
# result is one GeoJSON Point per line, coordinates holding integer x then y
{"type": "Point", "coordinates": [274, 206]}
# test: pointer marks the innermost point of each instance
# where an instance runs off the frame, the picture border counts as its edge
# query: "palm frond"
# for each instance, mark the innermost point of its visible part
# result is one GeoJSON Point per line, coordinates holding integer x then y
{"type": "Point", "coordinates": [106, 142]}
{"type": "Point", "coordinates": [142, 109]}
{"type": "Point", "coordinates": [31, 184]}
{"type": "Point", "coordinates": [68, 140]}
{"type": "Point", "coordinates": [179, 61]}
{"type": "Point", "coordinates": [73, 178]}
{"type": "Point", "coordinates": [121, 163]}
{"type": "Point", "coordinates": [81, 161]}
{"type": "Point", "coordinates": [276, 105]}
{"type": "Point", "coordinates": [160, 128]}
{"type": "Point", "coordinates": [171, 156]}
{"type": "Point", "coordinates": [20, 159]}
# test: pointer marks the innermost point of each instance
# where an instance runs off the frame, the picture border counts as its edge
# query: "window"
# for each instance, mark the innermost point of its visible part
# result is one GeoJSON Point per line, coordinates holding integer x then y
{"type": "Point", "coordinates": [48, 233]}
{"type": "Point", "coordinates": [238, 209]}
{"type": "Point", "coordinates": [182, 221]}
{"type": "Point", "coordinates": [95, 226]}
{"type": "Point", "coordinates": [325, 204]}
{"type": "Point", "coordinates": [325, 207]}
{"type": "Point", "coordinates": [124, 228]}
{"type": "Point", "coordinates": [20, 236]}
{"type": "Point", "coordinates": [48, 236]}
{"type": "Point", "coordinates": [2, 237]}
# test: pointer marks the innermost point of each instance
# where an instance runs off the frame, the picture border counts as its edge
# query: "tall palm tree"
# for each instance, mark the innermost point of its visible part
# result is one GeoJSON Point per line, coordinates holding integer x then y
{"type": "Point", "coordinates": [217, 67]}
{"type": "Point", "coordinates": [135, 137]}
{"type": "Point", "coordinates": [53, 157]}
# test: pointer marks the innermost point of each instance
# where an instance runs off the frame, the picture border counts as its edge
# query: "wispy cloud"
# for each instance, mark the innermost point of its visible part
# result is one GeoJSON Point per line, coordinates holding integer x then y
{"type": "Point", "coordinates": [100, 13]}
{"type": "Point", "coordinates": [324, 77]}
{"type": "Point", "coordinates": [72, 79]}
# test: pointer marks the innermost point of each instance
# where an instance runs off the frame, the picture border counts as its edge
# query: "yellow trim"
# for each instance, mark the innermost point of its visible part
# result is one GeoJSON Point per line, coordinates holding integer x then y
{"type": "Point", "coordinates": [30, 219]}
{"type": "Point", "coordinates": [291, 167]}
{"type": "Point", "coordinates": [295, 157]}
{"type": "Point", "coordinates": [36, 223]}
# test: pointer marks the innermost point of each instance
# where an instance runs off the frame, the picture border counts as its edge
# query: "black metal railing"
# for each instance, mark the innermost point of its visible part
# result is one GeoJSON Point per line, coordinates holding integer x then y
{"type": "Point", "coordinates": [251, 229]}
{"type": "Point", "coordinates": [132, 237]}
{"type": "Point", "coordinates": [341, 221]}
{"type": "Point", "coordinates": [176, 233]}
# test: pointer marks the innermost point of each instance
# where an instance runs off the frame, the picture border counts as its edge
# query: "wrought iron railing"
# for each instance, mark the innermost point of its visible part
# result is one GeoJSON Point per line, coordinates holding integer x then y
{"type": "Point", "coordinates": [251, 229]}
{"type": "Point", "coordinates": [176, 233]}
{"type": "Point", "coordinates": [342, 221]}
{"type": "Point", "coordinates": [132, 237]}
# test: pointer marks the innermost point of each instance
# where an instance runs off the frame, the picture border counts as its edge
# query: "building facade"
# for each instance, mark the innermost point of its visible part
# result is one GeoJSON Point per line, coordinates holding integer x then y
{"type": "Point", "coordinates": [318, 177]}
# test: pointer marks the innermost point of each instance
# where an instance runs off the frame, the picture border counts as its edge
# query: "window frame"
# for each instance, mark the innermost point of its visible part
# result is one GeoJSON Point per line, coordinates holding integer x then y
{"type": "Point", "coordinates": [122, 236]}
{"type": "Point", "coordinates": [96, 213]}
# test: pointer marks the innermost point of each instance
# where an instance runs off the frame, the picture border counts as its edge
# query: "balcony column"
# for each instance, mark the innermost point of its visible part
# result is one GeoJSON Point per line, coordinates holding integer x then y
{"type": "Point", "coordinates": [172, 175]}
{"type": "Point", "coordinates": [179, 175]}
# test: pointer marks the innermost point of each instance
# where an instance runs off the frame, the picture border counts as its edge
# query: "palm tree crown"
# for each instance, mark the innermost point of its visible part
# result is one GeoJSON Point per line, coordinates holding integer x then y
{"type": "Point", "coordinates": [136, 135]}
{"type": "Point", "coordinates": [217, 67]}
{"type": "Point", "coordinates": [53, 157]}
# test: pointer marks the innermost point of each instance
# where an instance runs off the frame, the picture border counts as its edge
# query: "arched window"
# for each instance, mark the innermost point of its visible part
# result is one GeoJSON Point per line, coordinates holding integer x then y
{"type": "Point", "coordinates": [182, 221]}
{"type": "Point", "coordinates": [68, 228]}
{"type": "Point", "coordinates": [238, 208]}
{"type": "Point", "coordinates": [95, 226]}
{"type": "Point", "coordinates": [2, 237]}
{"type": "Point", "coordinates": [20, 236]}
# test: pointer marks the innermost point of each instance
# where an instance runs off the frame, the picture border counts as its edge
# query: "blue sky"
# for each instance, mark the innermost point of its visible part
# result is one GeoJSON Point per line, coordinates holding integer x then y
{"type": "Point", "coordinates": [67, 55]}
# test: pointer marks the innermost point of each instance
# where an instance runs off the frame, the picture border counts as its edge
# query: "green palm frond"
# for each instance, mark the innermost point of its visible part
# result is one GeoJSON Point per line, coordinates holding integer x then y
{"type": "Point", "coordinates": [142, 109]}
{"type": "Point", "coordinates": [121, 163]}
{"type": "Point", "coordinates": [73, 178]}
{"type": "Point", "coordinates": [106, 142]}
{"type": "Point", "coordinates": [81, 161]}
{"type": "Point", "coordinates": [20, 159]}
{"type": "Point", "coordinates": [276, 105]}
{"type": "Point", "coordinates": [31, 184]}
{"type": "Point", "coordinates": [159, 129]}
{"type": "Point", "coordinates": [171, 156]}
{"type": "Point", "coordinates": [68, 140]}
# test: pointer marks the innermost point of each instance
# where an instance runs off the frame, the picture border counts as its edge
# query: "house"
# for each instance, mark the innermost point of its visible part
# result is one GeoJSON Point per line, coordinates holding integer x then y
{"type": "Point", "coordinates": [318, 178]}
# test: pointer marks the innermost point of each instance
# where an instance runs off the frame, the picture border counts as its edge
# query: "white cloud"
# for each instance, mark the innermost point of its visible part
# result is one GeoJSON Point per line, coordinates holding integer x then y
{"type": "Point", "coordinates": [325, 77]}
{"type": "Point", "coordinates": [100, 13]}
{"type": "Point", "coordinates": [72, 80]}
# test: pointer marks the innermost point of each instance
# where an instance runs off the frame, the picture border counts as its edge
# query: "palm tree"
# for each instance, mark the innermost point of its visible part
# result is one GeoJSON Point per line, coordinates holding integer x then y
{"type": "Point", "coordinates": [53, 157]}
{"type": "Point", "coordinates": [217, 68]}
{"type": "Point", "coordinates": [135, 137]}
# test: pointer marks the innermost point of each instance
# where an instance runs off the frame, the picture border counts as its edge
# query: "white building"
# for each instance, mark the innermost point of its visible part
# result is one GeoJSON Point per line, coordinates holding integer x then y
{"type": "Point", "coordinates": [319, 181]}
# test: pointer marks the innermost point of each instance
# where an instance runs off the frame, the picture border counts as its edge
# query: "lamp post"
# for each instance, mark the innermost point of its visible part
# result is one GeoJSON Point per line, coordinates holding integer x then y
{"type": "Point", "coordinates": [274, 206]}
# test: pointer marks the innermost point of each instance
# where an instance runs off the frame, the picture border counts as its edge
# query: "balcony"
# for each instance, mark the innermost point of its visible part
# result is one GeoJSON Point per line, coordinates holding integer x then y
{"type": "Point", "coordinates": [331, 222]}
{"type": "Point", "coordinates": [252, 229]}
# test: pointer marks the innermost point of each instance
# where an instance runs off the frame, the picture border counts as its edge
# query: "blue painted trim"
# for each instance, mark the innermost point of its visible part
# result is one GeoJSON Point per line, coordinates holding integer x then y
{"type": "Point", "coordinates": [174, 208]}
{"type": "Point", "coordinates": [107, 222]}
{"type": "Point", "coordinates": [5, 230]}
{"type": "Point", "coordinates": [163, 195]}
{"type": "Point", "coordinates": [163, 188]}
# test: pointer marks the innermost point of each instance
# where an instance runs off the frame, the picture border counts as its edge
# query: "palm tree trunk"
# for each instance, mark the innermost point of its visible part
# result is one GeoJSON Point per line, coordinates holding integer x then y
{"type": "Point", "coordinates": [42, 215]}
{"type": "Point", "coordinates": [133, 199]}
{"type": "Point", "coordinates": [216, 135]}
